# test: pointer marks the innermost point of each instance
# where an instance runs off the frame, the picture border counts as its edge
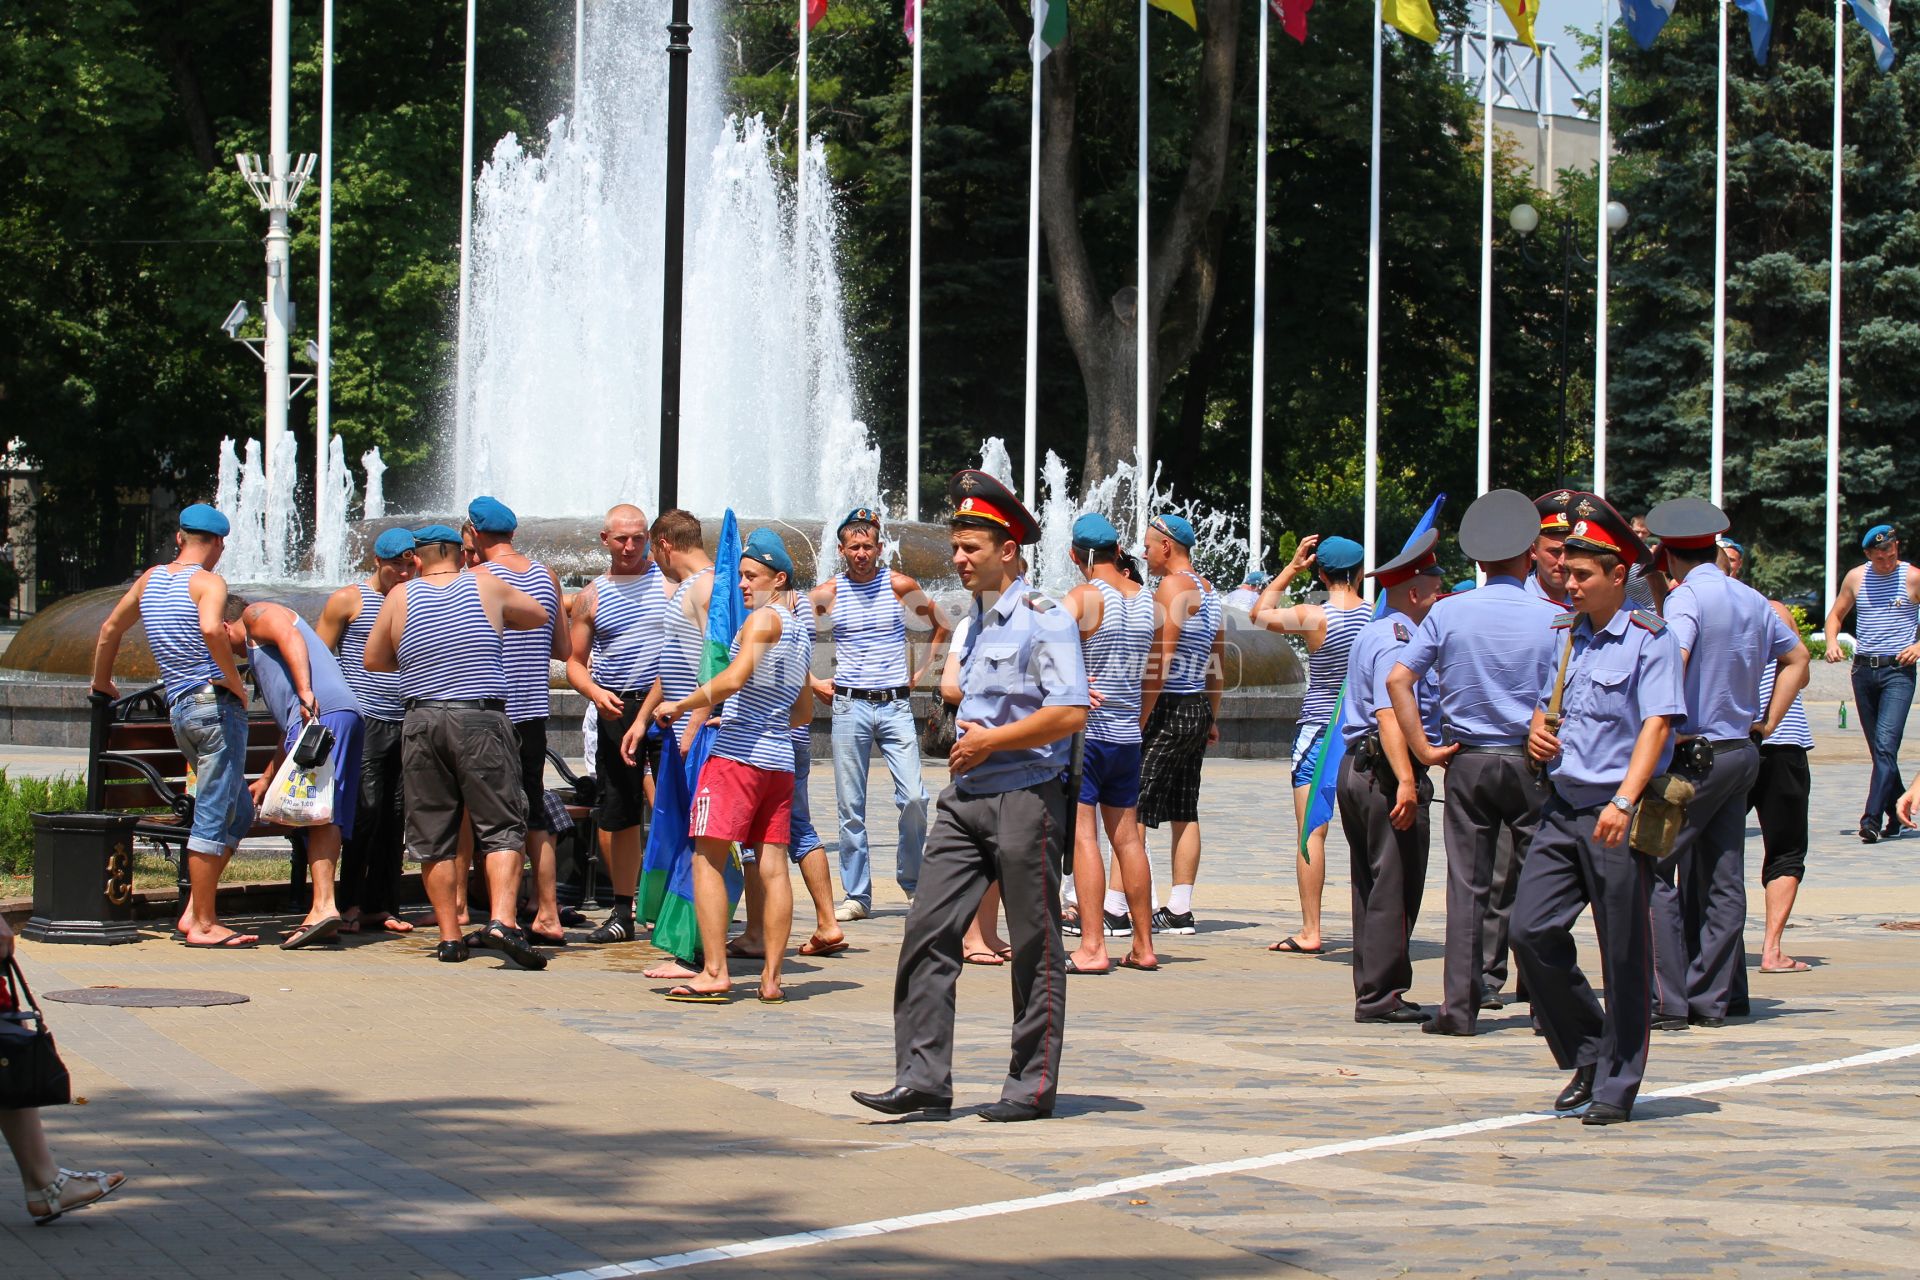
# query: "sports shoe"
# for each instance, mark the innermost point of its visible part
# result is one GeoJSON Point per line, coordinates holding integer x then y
{"type": "Point", "coordinates": [618, 928]}
{"type": "Point", "coordinates": [1117, 926]}
{"type": "Point", "coordinates": [1869, 834]}
{"type": "Point", "coordinates": [1892, 829]}
{"type": "Point", "coordinates": [850, 910]}
{"type": "Point", "coordinates": [1071, 928]}
{"type": "Point", "coordinates": [1164, 921]}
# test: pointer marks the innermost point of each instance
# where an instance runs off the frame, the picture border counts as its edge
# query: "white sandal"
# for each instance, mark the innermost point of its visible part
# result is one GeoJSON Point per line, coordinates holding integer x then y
{"type": "Point", "coordinates": [52, 1194]}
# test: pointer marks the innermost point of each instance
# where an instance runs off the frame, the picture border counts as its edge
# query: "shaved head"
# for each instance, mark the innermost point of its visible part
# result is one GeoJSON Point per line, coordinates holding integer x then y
{"type": "Point", "coordinates": [625, 513]}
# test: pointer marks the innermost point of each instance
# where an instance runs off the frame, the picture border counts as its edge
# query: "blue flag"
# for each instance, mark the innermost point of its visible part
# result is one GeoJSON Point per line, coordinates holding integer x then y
{"type": "Point", "coordinates": [1875, 16]}
{"type": "Point", "coordinates": [1333, 747]}
{"type": "Point", "coordinates": [1759, 26]}
{"type": "Point", "coordinates": [1644, 18]}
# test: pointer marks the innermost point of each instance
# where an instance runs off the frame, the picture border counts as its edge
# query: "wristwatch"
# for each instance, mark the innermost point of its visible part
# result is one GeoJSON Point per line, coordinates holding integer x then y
{"type": "Point", "coordinates": [1621, 803]}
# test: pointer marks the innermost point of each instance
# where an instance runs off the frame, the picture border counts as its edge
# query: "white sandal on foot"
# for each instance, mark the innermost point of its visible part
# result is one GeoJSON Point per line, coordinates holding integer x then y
{"type": "Point", "coordinates": [52, 1194]}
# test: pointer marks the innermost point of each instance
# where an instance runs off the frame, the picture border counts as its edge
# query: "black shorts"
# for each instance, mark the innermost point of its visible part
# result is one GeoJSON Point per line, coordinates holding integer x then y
{"type": "Point", "coordinates": [455, 757]}
{"type": "Point", "coordinates": [532, 736]}
{"type": "Point", "coordinates": [1175, 743]}
{"type": "Point", "coordinates": [623, 788]}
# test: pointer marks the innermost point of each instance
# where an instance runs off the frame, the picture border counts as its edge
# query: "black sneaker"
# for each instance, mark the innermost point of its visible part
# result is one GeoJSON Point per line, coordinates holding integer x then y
{"type": "Point", "coordinates": [1164, 921]}
{"type": "Point", "coordinates": [616, 929]}
{"type": "Point", "coordinates": [1117, 926]}
{"type": "Point", "coordinates": [1869, 834]}
{"type": "Point", "coordinates": [1070, 927]}
{"type": "Point", "coordinates": [1891, 830]}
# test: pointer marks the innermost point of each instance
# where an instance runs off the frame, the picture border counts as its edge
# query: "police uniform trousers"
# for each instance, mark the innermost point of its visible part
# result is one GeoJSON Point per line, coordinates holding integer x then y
{"type": "Point", "coordinates": [1566, 869]}
{"type": "Point", "coordinates": [1389, 876]}
{"type": "Point", "coordinates": [1493, 806]}
{"type": "Point", "coordinates": [1018, 838]}
{"type": "Point", "coordinates": [1700, 894]}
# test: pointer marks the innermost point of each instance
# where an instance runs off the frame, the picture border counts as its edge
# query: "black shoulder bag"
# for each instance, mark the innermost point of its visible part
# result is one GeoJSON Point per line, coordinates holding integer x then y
{"type": "Point", "coordinates": [31, 1073]}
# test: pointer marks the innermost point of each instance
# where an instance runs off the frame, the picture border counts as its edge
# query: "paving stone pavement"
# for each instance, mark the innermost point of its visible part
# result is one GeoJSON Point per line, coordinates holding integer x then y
{"type": "Point", "coordinates": [370, 1113]}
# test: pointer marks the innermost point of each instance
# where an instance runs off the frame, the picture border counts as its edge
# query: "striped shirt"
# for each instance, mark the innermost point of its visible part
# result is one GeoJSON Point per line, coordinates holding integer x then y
{"type": "Point", "coordinates": [629, 629]}
{"type": "Point", "coordinates": [1887, 613]}
{"type": "Point", "coordinates": [803, 612]}
{"type": "Point", "coordinates": [527, 654]}
{"type": "Point", "coordinates": [377, 691]}
{"type": "Point", "coordinates": [1327, 665]}
{"type": "Point", "coordinates": [1794, 730]}
{"type": "Point", "coordinates": [448, 647]}
{"type": "Point", "coordinates": [683, 642]}
{"type": "Point", "coordinates": [869, 634]}
{"type": "Point", "coordinates": [1192, 653]}
{"type": "Point", "coordinates": [1116, 659]}
{"type": "Point", "coordinates": [172, 620]}
{"type": "Point", "coordinates": [755, 730]}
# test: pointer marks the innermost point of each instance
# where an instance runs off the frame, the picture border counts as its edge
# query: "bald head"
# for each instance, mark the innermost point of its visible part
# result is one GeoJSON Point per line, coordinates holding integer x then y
{"type": "Point", "coordinates": [625, 538]}
{"type": "Point", "coordinates": [625, 513]}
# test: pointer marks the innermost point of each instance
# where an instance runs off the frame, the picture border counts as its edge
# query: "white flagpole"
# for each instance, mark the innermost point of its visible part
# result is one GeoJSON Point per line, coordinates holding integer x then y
{"type": "Point", "coordinates": [323, 375]}
{"type": "Point", "coordinates": [1142, 306]}
{"type": "Point", "coordinates": [913, 285]}
{"type": "Point", "coordinates": [1716, 488]}
{"type": "Point", "coordinates": [801, 290]}
{"type": "Point", "coordinates": [579, 56]}
{"type": "Point", "coordinates": [1257, 466]}
{"type": "Point", "coordinates": [1373, 311]}
{"type": "Point", "coordinates": [1033, 260]}
{"type": "Point", "coordinates": [1600, 286]}
{"type": "Point", "coordinates": [1833, 314]}
{"type": "Point", "coordinates": [463, 411]}
{"type": "Point", "coordinates": [1485, 472]}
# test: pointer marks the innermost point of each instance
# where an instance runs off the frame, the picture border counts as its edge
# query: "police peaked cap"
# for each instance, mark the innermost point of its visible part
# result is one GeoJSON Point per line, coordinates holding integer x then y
{"type": "Point", "coordinates": [982, 502]}
{"type": "Point", "coordinates": [1598, 527]}
{"type": "Point", "coordinates": [1417, 559]}
{"type": "Point", "coordinates": [1501, 524]}
{"type": "Point", "coordinates": [1554, 510]}
{"type": "Point", "coordinates": [1687, 524]}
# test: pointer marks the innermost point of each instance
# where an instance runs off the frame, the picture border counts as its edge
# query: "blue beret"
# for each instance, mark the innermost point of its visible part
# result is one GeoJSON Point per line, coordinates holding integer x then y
{"type": "Point", "coordinates": [392, 543]}
{"type": "Point", "coordinates": [431, 534]}
{"type": "Point", "coordinates": [201, 518]}
{"type": "Point", "coordinates": [1339, 553]}
{"type": "Point", "coordinates": [490, 515]}
{"type": "Point", "coordinates": [1878, 536]}
{"type": "Point", "coordinates": [859, 515]}
{"type": "Point", "coordinates": [765, 546]}
{"type": "Point", "coordinates": [1175, 527]}
{"type": "Point", "coordinates": [1259, 578]}
{"type": "Point", "coordinates": [1465, 584]}
{"type": "Point", "coordinates": [1094, 532]}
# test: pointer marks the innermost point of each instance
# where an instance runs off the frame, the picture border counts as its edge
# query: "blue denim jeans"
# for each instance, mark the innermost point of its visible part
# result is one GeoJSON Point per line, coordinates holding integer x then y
{"type": "Point", "coordinates": [212, 734]}
{"type": "Point", "coordinates": [859, 727]}
{"type": "Point", "coordinates": [1883, 696]}
{"type": "Point", "coordinates": [804, 838]}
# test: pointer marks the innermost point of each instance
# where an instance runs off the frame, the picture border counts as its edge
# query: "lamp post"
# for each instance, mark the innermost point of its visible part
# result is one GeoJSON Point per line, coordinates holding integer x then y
{"type": "Point", "coordinates": [1525, 219]}
{"type": "Point", "coordinates": [678, 50]}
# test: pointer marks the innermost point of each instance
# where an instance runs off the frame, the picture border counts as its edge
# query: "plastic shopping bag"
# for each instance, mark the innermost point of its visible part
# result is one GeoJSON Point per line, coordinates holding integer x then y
{"type": "Point", "coordinates": [300, 797]}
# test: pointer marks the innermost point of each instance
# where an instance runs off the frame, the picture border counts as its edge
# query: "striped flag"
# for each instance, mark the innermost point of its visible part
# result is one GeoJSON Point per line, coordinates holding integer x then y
{"type": "Point", "coordinates": [1645, 18]}
{"type": "Point", "coordinates": [1293, 16]}
{"type": "Point", "coordinates": [1759, 26]}
{"type": "Point", "coordinates": [1521, 13]}
{"type": "Point", "coordinates": [1415, 17]}
{"type": "Point", "coordinates": [1877, 17]}
{"type": "Point", "coordinates": [1049, 27]}
{"type": "Point", "coordinates": [1181, 9]}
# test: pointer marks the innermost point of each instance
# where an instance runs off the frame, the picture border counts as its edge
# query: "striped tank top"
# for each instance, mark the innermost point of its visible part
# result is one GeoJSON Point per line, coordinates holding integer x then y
{"type": "Point", "coordinates": [172, 621]}
{"type": "Point", "coordinates": [1116, 657]}
{"type": "Point", "coordinates": [869, 634]}
{"type": "Point", "coordinates": [526, 654]}
{"type": "Point", "coordinates": [682, 644]}
{"type": "Point", "coordinates": [448, 648]}
{"type": "Point", "coordinates": [803, 611]}
{"type": "Point", "coordinates": [1187, 672]}
{"type": "Point", "coordinates": [1794, 730]}
{"type": "Point", "coordinates": [755, 730]}
{"type": "Point", "coordinates": [1886, 615]}
{"type": "Point", "coordinates": [1327, 665]}
{"type": "Point", "coordinates": [629, 620]}
{"type": "Point", "coordinates": [378, 691]}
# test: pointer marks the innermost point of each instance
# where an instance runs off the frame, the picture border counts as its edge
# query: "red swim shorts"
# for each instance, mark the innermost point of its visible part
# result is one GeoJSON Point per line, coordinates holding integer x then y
{"type": "Point", "coordinates": [743, 803]}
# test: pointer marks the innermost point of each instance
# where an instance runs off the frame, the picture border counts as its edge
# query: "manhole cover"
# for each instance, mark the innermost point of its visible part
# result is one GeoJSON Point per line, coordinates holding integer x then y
{"type": "Point", "coordinates": [1901, 926]}
{"type": "Point", "coordinates": [147, 997]}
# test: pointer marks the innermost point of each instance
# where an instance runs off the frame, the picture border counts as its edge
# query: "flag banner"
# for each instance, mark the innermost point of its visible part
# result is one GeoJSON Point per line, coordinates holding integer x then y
{"type": "Point", "coordinates": [816, 10]}
{"type": "Point", "coordinates": [1181, 9]}
{"type": "Point", "coordinates": [1293, 17]}
{"type": "Point", "coordinates": [1644, 18]}
{"type": "Point", "coordinates": [1332, 751]}
{"type": "Point", "coordinates": [1521, 13]}
{"type": "Point", "coordinates": [1049, 27]}
{"type": "Point", "coordinates": [1759, 26]}
{"type": "Point", "coordinates": [910, 20]}
{"type": "Point", "coordinates": [1415, 17]}
{"type": "Point", "coordinates": [666, 876]}
{"type": "Point", "coordinates": [1877, 17]}
{"type": "Point", "coordinates": [727, 612]}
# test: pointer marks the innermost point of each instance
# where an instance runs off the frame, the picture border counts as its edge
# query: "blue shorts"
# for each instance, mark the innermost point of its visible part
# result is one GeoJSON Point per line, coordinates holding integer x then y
{"type": "Point", "coordinates": [1306, 750]}
{"type": "Point", "coordinates": [211, 731]}
{"type": "Point", "coordinates": [348, 736]}
{"type": "Point", "coordinates": [1110, 774]}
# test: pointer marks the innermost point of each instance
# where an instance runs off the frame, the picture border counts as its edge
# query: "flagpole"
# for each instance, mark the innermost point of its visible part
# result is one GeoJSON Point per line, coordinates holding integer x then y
{"type": "Point", "coordinates": [913, 288]}
{"type": "Point", "coordinates": [1485, 472]}
{"type": "Point", "coordinates": [1033, 254]}
{"type": "Point", "coordinates": [579, 56]}
{"type": "Point", "coordinates": [463, 410]}
{"type": "Point", "coordinates": [323, 373]}
{"type": "Point", "coordinates": [1142, 305]}
{"type": "Point", "coordinates": [1833, 313]}
{"type": "Point", "coordinates": [800, 225]}
{"type": "Point", "coordinates": [1257, 468]}
{"type": "Point", "coordinates": [1717, 488]}
{"type": "Point", "coordinates": [1600, 286]}
{"type": "Point", "coordinates": [1373, 311]}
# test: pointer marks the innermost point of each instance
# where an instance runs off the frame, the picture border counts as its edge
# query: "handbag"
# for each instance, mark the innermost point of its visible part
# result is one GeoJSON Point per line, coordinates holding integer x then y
{"type": "Point", "coordinates": [300, 797]}
{"type": "Point", "coordinates": [938, 733]}
{"type": "Point", "coordinates": [31, 1073]}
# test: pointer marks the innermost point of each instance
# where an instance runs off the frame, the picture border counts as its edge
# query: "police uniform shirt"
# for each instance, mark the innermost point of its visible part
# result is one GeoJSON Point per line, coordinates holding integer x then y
{"type": "Point", "coordinates": [1018, 658]}
{"type": "Point", "coordinates": [1378, 648]}
{"type": "Point", "coordinates": [1490, 650]}
{"type": "Point", "coordinates": [1619, 677]}
{"type": "Point", "coordinates": [1539, 592]}
{"type": "Point", "coordinates": [1729, 632]}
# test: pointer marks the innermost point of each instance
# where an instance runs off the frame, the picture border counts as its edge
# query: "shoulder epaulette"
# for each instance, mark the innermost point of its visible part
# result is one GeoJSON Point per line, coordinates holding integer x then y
{"type": "Point", "coordinates": [1565, 620]}
{"type": "Point", "coordinates": [1039, 602]}
{"type": "Point", "coordinates": [1650, 620]}
{"type": "Point", "coordinates": [1401, 633]}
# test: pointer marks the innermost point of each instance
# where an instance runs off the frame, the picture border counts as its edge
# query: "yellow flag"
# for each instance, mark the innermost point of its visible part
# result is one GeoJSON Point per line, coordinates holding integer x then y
{"type": "Point", "coordinates": [1522, 13]}
{"type": "Point", "coordinates": [1415, 17]}
{"type": "Point", "coordinates": [1183, 10]}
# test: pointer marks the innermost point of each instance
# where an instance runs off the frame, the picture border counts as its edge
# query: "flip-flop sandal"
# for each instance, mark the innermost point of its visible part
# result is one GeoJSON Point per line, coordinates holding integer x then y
{"type": "Point", "coordinates": [1077, 971]}
{"type": "Point", "coordinates": [736, 952]}
{"type": "Point", "coordinates": [232, 942]}
{"type": "Point", "coordinates": [1798, 966]}
{"type": "Point", "coordinates": [687, 995]}
{"type": "Point", "coordinates": [1141, 968]}
{"type": "Point", "coordinates": [1288, 946]}
{"type": "Point", "coordinates": [986, 959]}
{"type": "Point", "coordinates": [814, 947]}
{"type": "Point", "coordinates": [1005, 954]}
{"type": "Point", "coordinates": [780, 999]}
{"type": "Point", "coordinates": [311, 934]}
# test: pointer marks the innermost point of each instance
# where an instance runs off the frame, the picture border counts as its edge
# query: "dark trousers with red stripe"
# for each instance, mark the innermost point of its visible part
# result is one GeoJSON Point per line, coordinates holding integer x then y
{"type": "Point", "coordinates": [1019, 839]}
{"type": "Point", "coordinates": [1565, 871]}
{"type": "Point", "coordinates": [1389, 875]}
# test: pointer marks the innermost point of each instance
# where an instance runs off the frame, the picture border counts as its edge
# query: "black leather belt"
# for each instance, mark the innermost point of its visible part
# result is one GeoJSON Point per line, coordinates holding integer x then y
{"type": "Point", "coordinates": [1504, 749]}
{"type": "Point", "coordinates": [1723, 745]}
{"type": "Point", "coordinates": [1874, 661]}
{"type": "Point", "coordinates": [459, 704]}
{"type": "Point", "coordinates": [894, 694]}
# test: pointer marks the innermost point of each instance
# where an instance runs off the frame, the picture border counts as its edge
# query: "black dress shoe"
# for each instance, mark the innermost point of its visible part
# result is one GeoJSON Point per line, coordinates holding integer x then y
{"type": "Point", "coordinates": [1669, 1024]}
{"type": "Point", "coordinates": [1739, 1009]}
{"type": "Point", "coordinates": [901, 1101]}
{"type": "Point", "coordinates": [1492, 1000]}
{"type": "Point", "coordinates": [1605, 1113]}
{"type": "Point", "coordinates": [1433, 1028]}
{"type": "Point", "coordinates": [1577, 1094]}
{"type": "Point", "coordinates": [1401, 1013]}
{"type": "Point", "coordinates": [1711, 1024]}
{"type": "Point", "coordinates": [1004, 1112]}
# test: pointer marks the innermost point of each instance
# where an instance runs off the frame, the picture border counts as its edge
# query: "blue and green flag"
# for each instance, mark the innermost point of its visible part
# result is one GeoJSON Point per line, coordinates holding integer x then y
{"type": "Point", "coordinates": [1759, 26]}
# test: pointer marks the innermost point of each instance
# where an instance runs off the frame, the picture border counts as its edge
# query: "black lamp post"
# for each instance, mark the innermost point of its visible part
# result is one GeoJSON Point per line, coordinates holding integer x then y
{"type": "Point", "coordinates": [678, 49]}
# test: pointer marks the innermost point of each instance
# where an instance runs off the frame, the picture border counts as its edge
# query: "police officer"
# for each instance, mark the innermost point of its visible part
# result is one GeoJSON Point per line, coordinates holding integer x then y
{"type": "Point", "coordinates": [1549, 577]}
{"type": "Point", "coordinates": [1383, 795]}
{"type": "Point", "coordinates": [1023, 697]}
{"type": "Point", "coordinates": [1492, 651]}
{"type": "Point", "coordinates": [1726, 632]}
{"type": "Point", "coordinates": [1621, 696]}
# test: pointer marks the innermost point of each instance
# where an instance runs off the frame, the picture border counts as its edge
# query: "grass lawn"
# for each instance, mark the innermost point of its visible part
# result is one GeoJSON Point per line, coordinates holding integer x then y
{"type": "Point", "coordinates": [151, 871]}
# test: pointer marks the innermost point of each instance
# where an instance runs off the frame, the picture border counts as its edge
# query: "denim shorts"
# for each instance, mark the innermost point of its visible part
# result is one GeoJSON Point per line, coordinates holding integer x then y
{"type": "Point", "coordinates": [211, 730]}
{"type": "Point", "coordinates": [1306, 753]}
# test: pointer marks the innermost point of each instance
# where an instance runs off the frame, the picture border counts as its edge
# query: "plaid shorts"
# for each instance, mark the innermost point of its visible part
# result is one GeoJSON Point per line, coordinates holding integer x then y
{"type": "Point", "coordinates": [1175, 742]}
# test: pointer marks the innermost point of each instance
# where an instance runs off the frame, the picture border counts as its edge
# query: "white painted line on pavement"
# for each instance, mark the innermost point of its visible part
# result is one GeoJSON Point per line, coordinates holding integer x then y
{"type": "Point", "coordinates": [1191, 1172]}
